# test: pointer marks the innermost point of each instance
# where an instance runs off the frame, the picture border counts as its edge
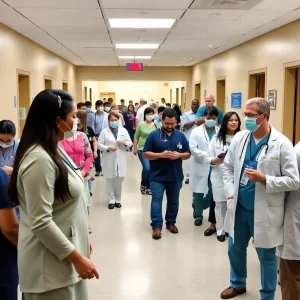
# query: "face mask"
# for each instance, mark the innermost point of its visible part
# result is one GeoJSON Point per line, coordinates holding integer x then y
{"type": "Point", "coordinates": [168, 106]}
{"type": "Point", "coordinates": [88, 110]}
{"type": "Point", "coordinates": [149, 118]}
{"type": "Point", "coordinates": [100, 108]}
{"type": "Point", "coordinates": [114, 124]}
{"type": "Point", "coordinates": [107, 108]}
{"type": "Point", "coordinates": [210, 123]}
{"type": "Point", "coordinates": [5, 146]}
{"type": "Point", "coordinates": [250, 124]}
{"type": "Point", "coordinates": [69, 134]}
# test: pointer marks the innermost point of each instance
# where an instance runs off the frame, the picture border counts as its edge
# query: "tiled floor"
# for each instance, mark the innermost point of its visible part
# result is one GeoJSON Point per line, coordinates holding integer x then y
{"type": "Point", "coordinates": [132, 266]}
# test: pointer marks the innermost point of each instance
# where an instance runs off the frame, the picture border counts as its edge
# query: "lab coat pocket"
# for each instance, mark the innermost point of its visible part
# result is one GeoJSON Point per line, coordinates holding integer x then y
{"type": "Point", "coordinates": [276, 216]}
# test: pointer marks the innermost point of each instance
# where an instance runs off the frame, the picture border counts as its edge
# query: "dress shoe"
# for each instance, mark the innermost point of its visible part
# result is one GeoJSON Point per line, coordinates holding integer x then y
{"type": "Point", "coordinates": [221, 238]}
{"type": "Point", "coordinates": [156, 234]}
{"type": "Point", "coordinates": [198, 222]}
{"type": "Point", "coordinates": [172, 228]}
{"type": "Point", "coordinates": [118, 205]}
{"type": "Point", "coordinates": [226, 234]}
{"type": "Point", "coordinates": [111, 206]}
{"type": "Point", "coordinates": [209, 232]}
{"type": "Point", "coordinates": [187, 181]}
{"type": "Point", "coordinates": [230, 293]}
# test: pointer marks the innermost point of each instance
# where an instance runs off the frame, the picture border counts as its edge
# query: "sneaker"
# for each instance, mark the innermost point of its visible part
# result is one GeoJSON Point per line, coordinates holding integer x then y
{"type": "Point", "coordinates": [187, 181]}
{"type": "Point", "coordinates": [97, 174]}
{"type": "Point", "coordinates": [118, 205]}
{"type": "Point", "coordinates": [148, 192]}
{"type": "Point", "coordinates": [143, 189]}
{"type": "Point", "coordinates": [111, 206]}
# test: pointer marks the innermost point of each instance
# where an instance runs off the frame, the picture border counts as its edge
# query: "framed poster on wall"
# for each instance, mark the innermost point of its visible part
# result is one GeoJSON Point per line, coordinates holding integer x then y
{"type": "Point", "coordinates": [236, 100]}
{"type": "Point", "coordinates": [272, 98]}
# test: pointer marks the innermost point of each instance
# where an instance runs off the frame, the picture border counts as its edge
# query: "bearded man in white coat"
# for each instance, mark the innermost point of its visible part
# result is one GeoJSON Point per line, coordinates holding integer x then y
{"type": "Point", "coordinates": [259, 168]}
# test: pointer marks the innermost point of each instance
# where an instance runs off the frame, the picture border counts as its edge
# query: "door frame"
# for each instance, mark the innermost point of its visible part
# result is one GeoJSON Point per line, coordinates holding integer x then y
{"type": "Point", "coordinates": [194, 85]}
{"type": "Point", "coordinates": [48, 78]}
{"type": "Point", "coordinates": [222, 78]}
{"type": "Point", "coordinates": [64, 82]}
{"type": "Point", "coordinates": [258, 72]}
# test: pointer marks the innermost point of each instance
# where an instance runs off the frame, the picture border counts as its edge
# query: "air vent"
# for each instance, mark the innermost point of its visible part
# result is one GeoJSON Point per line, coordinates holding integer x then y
{"type": "Point", "coordinates": [224, 4]}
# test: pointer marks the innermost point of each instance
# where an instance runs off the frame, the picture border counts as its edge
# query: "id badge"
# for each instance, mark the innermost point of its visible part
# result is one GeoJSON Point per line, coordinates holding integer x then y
{"type": "Point", "coordinates": [179, 146]}
{"type": "Point", "coordinates": [245, 179]}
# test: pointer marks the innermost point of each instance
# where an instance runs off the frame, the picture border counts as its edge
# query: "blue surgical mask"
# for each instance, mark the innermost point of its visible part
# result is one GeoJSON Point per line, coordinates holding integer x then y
{"type": "Point", "coordinates": [210, 123]}
{"type": "Point", "coordinates": [114, 124]}
{"type": "Point", "coordinates": [6, 146]}
{"type": "Point", "coordinates": [88, 110]}
{"type": "Point", "coordinates": [250, 124]}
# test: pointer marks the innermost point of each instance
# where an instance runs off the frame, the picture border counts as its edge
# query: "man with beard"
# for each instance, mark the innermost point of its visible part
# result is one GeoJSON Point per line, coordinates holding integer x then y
{"type": "Point", "coordinates": [166, 148]}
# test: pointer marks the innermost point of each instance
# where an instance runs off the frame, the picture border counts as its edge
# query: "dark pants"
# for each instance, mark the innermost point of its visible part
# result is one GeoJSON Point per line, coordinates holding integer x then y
{"type": "Point", "coordinates": [158, 189]}
{"type": "Point", "coordinates": [146, 169]}
{"type": "Point", "coordinates": [98, 167]}
{"type": "Point", "coordinates": [9, 278]}
{"type": "Point", "coordinates": [131, 134]}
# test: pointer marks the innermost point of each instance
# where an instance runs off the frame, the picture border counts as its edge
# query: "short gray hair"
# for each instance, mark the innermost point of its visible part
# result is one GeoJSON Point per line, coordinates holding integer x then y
{"type": "Point", "coordinates": [143, 101]}
{"type": "Point", "coordinates": [263, 106]}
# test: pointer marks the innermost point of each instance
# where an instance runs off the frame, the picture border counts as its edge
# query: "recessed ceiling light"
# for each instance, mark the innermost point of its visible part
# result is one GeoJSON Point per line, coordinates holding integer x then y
{"type": "Point", "coordinates": [73, 44]}
{"type": "Point", "coordinates": [214, 15]}
{"type": "Point", "coordinates": [185, 58]}
{"type": "Point", "coordinates": [141, 23]}
{"type": "Point", "coordinates": [210, 45]}
{"type": "Point", "coordinates": [134, 57]}
{"type": "Point", "coordinates": [137, 46]}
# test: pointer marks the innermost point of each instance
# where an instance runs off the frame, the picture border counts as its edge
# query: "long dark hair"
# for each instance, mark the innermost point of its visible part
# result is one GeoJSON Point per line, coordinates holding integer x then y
{"type": "Point", "coordinates": [177, 109]}
{"type": "Point", "coordinates": [147, 111]}
{"type": "Point", "coordinates": [221, 136]}
{"type": "Point", "coordinates": [7, 127]}
{"type": "Point", "coordinates": [41, 130]}
{"type": "Point", "coordinates": [130, 105]}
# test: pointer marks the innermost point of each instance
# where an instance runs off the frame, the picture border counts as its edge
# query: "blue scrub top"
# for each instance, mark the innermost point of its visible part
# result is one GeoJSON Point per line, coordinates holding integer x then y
{"type": "Point", "coordinates": [202, 109]}
{"type": "Point", "coordinates": [247, 193]}
{"type": "Point", "coordinates": [164, 169]}
{"type": "Point", "coordinates": [7, 160]}
{"type": "Point", "coordinates": [6, 245]}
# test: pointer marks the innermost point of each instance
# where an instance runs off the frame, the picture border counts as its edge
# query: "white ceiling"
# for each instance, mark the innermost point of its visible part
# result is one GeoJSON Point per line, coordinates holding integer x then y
{"type": "Point", "coordinates": [78, 30]}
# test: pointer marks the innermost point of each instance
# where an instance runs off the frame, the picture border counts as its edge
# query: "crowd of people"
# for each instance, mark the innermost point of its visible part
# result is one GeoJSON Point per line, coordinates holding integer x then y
{"type": "Point", "coordinates": [248, 179]}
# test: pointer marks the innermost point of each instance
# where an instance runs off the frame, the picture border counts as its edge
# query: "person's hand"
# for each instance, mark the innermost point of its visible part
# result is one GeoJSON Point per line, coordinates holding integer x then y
{"type": "Point", "coordinates": [85, 268]}
{"type": "Point", "coordinates": [121, 143]}
{"type": "Point", "coordinates": [135, 152]}
{"type": "Point", "coordinates": [255, 175]}
{"type": "Point", "coordinates": [166, 154]}
{"type": "Point", "coordinates": [174, 155]}
{"type": "Point", "coordinates": [95, 154]}
{"type": "Point", "coordinates": [8, 170]}
{"type": "Point", "coordinates": [230, 198]}
{"type": "Point", "coordinates": [112, 149]}
{"type": "Point", "coordinates": [218, 161]}
{"type": "Point", "coordinates": [83, 173]}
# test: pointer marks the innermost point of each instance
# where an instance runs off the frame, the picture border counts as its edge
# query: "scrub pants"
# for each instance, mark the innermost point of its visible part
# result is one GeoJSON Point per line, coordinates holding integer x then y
{"type": "Point", "coordinates": [220, 212]}
{"type": "Point", "coordinates": [172, 191]}
{"type": "Point", "coordinates": [237, 252]}
{"type": "Point", "coordinates": [146, 169]}
{"type": "Point", "coordinates": [114, 189]}
{"type": "Point", "coordinates": [201, 202]}
{"type": "Point", "coordinates": [98, 167]}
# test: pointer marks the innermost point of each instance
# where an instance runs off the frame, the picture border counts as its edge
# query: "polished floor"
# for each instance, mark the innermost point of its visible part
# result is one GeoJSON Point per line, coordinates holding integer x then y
{"type": "Point", "coordinates": [132, 266]}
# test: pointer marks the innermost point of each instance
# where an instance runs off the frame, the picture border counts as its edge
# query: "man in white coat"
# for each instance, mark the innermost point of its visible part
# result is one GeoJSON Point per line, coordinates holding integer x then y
{"type": "Point", "coordinates": [200, 167]}
{"type": "Point", "coordinates": [259, 168]}
{"type": "Point", "coordinates": [289, 252]}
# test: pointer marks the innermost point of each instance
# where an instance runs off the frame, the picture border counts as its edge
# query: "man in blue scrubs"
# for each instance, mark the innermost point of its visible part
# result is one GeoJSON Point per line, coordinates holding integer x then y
{"type": "Point", "coordinates": [166, 148]}
{"type": "Point", "coordinates": [209, 102]}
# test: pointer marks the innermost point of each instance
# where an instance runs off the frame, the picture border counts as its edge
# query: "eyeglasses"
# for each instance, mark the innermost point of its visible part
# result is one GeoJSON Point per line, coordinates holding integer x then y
{"type": "Point", "coordinates": [250, 115]}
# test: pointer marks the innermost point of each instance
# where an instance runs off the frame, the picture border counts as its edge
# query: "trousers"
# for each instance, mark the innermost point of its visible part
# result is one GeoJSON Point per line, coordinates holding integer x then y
{"type": "Point", "coordinates": [220, 212]}
{"type": "Point", "coordinates": [114, 189]}
{"type": "Point", "coordinates": [289, 279]}
{"type": "Point", "coordinates": [237, 252]}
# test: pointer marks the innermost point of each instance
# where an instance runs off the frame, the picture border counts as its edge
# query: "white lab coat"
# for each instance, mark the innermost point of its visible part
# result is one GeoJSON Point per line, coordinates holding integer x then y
{"type": "Point", "coordinates": [114, 163]}
{"type": "Point", "coordinates": [105, 121]}
{"type": "Point", "coordinates": [215, 148]}
{"type": "Point", "coordinates": [200, 161]}
{"type": "Point", "coordinates": [291, 232]}
{"type": "Point", "coordinates": [279, 164]}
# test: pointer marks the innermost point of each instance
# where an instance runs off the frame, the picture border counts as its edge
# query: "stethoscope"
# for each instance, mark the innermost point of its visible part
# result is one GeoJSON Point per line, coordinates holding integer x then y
{"type": "Point", "coordinates": [160, 135]}
{"type": "Point", "coordinates": [265, 144]}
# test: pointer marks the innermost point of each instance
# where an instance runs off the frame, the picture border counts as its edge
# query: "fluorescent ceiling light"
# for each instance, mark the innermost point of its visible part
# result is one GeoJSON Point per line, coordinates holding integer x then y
{"type": "Point", "coordinates": [137, 46]}
{"type": "Point", "coordinates": [141, 23]}
{"type": "Point", "coordinates": [134, 57]}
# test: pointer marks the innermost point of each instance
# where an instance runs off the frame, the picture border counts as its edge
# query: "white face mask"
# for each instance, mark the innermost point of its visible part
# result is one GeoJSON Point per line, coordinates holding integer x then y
{"type": "Point", "coordinates": [69, 134]}
{"type": "Point", "coordinates": [107, 108]}
{"type": "Point", "coordinates": [149, 118]}
{"type": "Point", "coordinates": [6, 146]}
{"type": "Point", "coordinates": [100, 108]}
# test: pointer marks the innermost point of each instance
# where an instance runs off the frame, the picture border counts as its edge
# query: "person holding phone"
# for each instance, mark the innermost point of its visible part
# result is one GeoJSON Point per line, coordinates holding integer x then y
{"type": "Point", "coordinates": [217, 149]}
{"type": "Point", "coordinates": [114, 141]}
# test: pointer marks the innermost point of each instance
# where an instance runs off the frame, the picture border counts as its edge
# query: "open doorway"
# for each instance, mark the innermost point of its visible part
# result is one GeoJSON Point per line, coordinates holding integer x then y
{"type": "Point", "coordinates": [23, 98]}
{"type": "Point", "coordinates": [171, 96]}
{"type": "Point", "coordinates": [107, 95]}
{"type": "Point", "coordinates": [65, 86]}
{"type": "Point", "coordinates": [90, 95]}
{"type": "Point", "coordinates": [221, 92]}
{"type": "Point", "coordinates": [198, 91]}
{"type": "Point", "coordinates": [257, 83]}
{"type": "Point", "coordinates": [182, 104]}
{"type": "Point", "coordinates": [177, 96]}
{"type": "Point", "coordinates": [48, 83]}
{"type": "Point", "coordinates": [85, 94]}
{"type": "Point", "coordinates": [291, 124]}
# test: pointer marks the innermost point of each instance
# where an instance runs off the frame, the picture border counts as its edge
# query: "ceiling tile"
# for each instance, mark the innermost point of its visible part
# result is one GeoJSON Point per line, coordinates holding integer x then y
{"type": "Point", "coordinates": [213, 14]}
{"type": "Point", "coordinates": [146, 4]}
{"type": "Point", "coordinates": [70, 13]}
{"type": "Point", "coordinates": [76, 29]}
{"type": "Point", "coordinates": [264, 16]}
{"type": "Point", "coordinates": [278, 5]}
{"type": "Point", "coordinates": [68, 22]}
{"type": "Point", "coordinates": [54, 3]}
{"type": "Point", "coordinates": [220, 4]}
{"type": "Point", "coordinates": [139, 13]}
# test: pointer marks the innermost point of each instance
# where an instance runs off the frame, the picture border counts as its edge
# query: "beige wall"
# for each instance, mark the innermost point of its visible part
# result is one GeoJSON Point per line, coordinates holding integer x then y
{"type": "Point", "coordinates": [18, 52]}
{"type": "Point", "coordinates": [270, 51]}
{"type": "Point", "coordinates": [161, 74]}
